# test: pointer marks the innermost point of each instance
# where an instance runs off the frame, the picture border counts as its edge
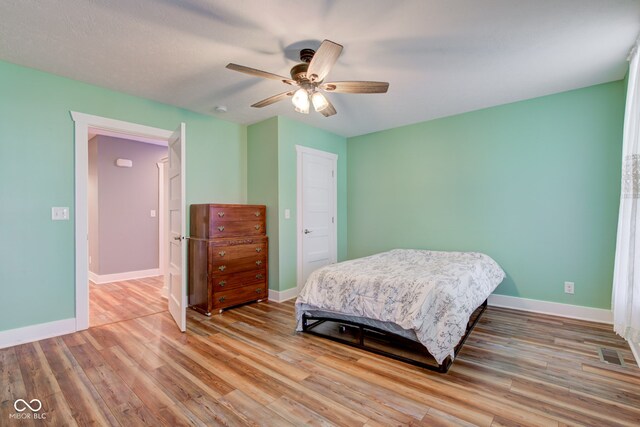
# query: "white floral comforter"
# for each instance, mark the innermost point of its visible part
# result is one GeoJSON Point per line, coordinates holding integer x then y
{"type": "Point", "coordinates": [432, 293]}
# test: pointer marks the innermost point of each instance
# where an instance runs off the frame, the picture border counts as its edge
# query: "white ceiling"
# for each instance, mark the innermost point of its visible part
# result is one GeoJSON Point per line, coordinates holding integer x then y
{"type": "Point", "coordinates": [441, 57]}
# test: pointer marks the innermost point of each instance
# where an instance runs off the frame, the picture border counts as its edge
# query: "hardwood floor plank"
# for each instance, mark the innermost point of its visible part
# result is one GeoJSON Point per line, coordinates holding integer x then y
{"type": "Point", "coordinates": [298, 413]}
{"type": "Point", "coordinates": [134, 348]}
{"type": "Point", "coordinates": [377, 395]}
{"type": "Point", "coordinates": [249, 367]}
{"type": "Point", "coordinates": [188, 366]}
{"type": "Point", "coordinates": [12, 386]}
{"type": "Point", "coordinates": [10, 377]}
{"type": "Point", "coordinates": [213, 412]}
{"type": "Point", "coordinates": [465, 412]}
{"type": "Point", "coordinates": [435, 418]}
{"type": "Point", "coordinates": [86, 404]}
{"type": "Point", "coordinates": [333, 410]}
{"type": "Point", "coordinates": [125, 300]}
{"type": "Point", "coordinates": [166, 407]}
{"type": "Point", "coordinates": [57, 410]}
{"type": "Point", "coordinates": [251, 411]}
{"type": "Point", "coordinates": [38, 378]}
{"type": "Point", "coordinates": [265, 359]}
{"type": "Point", "coordinates": [357, 401]}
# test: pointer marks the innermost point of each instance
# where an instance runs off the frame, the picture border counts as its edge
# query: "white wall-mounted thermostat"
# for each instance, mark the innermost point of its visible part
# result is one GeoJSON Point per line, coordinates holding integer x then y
{"type": "Point", "coordinates": [124, 163]}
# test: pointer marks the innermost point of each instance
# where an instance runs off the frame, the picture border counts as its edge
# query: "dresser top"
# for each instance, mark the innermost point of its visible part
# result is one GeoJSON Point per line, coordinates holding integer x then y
{"type": "Point", "coordinates": [228, 205]}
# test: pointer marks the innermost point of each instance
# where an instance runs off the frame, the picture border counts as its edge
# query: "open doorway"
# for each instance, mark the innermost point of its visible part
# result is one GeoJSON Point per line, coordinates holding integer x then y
{"type": "Point", "coordinates": [174, 208]}
{"type": "Point", "coordinates": [126, 206]}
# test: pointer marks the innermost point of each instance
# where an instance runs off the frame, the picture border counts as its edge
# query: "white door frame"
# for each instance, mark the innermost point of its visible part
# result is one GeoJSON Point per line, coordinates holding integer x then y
{"type": "Point", "coordinates": [82, 124]}
{"type": "Point", "coordinates": [334, 229]}
{"type": "Point", "coordinates": [162, 225]}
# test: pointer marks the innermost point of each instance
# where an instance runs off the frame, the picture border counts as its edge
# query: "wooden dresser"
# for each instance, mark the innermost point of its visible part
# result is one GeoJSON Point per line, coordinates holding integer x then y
{"type": "Point", "coordinates": [228, 256]}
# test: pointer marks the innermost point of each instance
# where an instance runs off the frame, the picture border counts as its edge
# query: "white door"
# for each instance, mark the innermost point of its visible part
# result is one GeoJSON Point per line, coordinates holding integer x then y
{"type": "Point", "coordinates": [177, 292]}
{"type": "Point", "coordinates": [317, 237]}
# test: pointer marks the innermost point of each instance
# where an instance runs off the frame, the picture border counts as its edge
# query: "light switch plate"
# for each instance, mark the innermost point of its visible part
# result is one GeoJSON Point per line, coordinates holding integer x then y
{"type": "Point", "coordinates": [287, 213]}
{"type": "Point", "coordinates": [59, 213]}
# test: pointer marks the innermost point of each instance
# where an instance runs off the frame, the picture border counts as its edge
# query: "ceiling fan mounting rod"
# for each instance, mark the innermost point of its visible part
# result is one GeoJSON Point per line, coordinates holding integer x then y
{"type": "Point", "coordinates": [306, 55]}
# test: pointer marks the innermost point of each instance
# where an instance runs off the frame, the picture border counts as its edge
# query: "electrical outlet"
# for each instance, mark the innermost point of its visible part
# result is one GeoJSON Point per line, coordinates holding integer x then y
{"type": "Point", "coordinates": [568, 287]}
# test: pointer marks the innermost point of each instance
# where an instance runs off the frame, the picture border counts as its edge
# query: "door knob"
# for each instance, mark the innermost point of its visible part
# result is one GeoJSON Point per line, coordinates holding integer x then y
{"type": "Point", "coordinates": [307, 231]}
{"type": "Point", "coordinates": [177, 238]}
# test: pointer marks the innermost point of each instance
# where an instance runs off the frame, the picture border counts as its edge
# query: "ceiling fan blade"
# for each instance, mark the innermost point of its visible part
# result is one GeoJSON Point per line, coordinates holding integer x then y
{"type": "Point", "coordinates": [273, 99]}
{"type": "Point", "coordinates": [329, 110]}
{"type": "Point", "coordinates": [260, 73]}
{"type": "Point", "coordinates": [323, 60]}
{"type": "Point", "coordinates": [355, 87]}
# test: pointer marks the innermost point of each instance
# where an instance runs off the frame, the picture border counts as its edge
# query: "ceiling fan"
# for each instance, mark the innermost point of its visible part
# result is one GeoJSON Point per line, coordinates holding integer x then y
{"type": "Point", "coordinates": [309, 76]}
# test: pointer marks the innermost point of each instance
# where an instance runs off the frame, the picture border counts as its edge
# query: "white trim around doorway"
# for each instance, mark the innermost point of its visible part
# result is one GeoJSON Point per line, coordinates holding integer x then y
{"type": "Point", "coordinates": [84, 122]}
{"type": "Point", "coordinates": [300, 149]}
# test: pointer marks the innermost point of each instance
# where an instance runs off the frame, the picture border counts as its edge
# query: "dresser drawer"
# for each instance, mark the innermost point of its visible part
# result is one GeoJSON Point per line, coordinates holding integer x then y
{"type": "Point", "coordinates": [239, 296]}
{"type": "Point", "coordinates": [232, 213]}
{"type": "Point", "coordinates": [219, 230]}
{"type": "Point", "coordinates": [224, 253]}
{"type": "Point", "coordinates": [229, 266]}
{"type": "Point", "coordinates": [225, 282]}
{"type": "Point", "coordinates": [206, 218]}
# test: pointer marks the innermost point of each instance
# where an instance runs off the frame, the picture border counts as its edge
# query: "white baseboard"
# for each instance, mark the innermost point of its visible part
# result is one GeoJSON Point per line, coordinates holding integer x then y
{"type": "Point", "coordinates": [36, 332]}
{"type": "Point", "coordinates": [281, 296]}
{"type": "Point", "coordinates": [545, 307]}
{"type": "Point", "coordinates": [100, 279]}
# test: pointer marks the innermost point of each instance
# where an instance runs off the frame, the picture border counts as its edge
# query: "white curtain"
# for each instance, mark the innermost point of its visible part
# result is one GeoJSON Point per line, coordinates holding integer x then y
{"type": "Point", "coordinates": [626, 277]}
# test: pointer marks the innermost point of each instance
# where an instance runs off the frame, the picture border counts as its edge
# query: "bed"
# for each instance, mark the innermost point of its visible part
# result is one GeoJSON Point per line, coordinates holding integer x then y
{"type": "Point", "coordinates": [406, 299]}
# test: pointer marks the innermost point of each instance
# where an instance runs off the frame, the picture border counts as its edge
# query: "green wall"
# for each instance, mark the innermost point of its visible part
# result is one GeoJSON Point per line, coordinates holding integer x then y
{"type": "Point", "coordinates": [280, 160]}
{"type": "Point", "coordinates": [37, 272]}
{"type": "Point", "coordinates": [534, 184]}
{"type": "Point", "coordinates": [262, 186]}
{"type": "Point", "coordinates": [292, 133]}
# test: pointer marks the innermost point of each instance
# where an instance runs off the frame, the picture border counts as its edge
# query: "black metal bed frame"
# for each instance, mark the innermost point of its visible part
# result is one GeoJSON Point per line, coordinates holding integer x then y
{"type": "Point", "coordinates": [370, 332]}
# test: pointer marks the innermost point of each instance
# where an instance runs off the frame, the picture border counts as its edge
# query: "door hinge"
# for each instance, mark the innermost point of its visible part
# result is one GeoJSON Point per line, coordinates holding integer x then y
{"type": "Point", "coordinates": [332, 174]}
{"type": "Point", "coordinates": [333, 220]}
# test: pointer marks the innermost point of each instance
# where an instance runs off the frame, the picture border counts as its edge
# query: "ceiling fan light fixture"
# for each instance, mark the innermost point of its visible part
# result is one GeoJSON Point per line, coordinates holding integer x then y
{"type": "Point", "coordinates": [302, 110]}
{"type": "Point", "coordinates": [319, 101]}
{"type": "Point", "coordinates": [300, 100]}
{"type": "Point", "coordinates": [309, 77]}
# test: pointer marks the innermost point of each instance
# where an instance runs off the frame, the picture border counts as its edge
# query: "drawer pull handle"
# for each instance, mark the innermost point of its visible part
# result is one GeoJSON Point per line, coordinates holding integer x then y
{"type": "Point", "coordinates": [222, 268]}
{"type": "Point", "coordinates": [257, 213]}
{"type": "Point", "coordinates": [259, 262]}
{"type": "Point", "coordinates": [258, 290]}
{"type": "Point", "coordinates": [221, 214]}
{"type": "Point", "coordinates": [221, 228]}
{"type": "Point", "coordinates": [257, 227]}
{"type": "Point", "coordinates": [258, 249]}
{"type": "Point", "coordinates": [222, 283]}
{"type": "Point", "coordinates": [222, 253]}
{"type": "Point", "coordinates": [259, 276]}
{"type": "Point", "coordinates": [222, 299]}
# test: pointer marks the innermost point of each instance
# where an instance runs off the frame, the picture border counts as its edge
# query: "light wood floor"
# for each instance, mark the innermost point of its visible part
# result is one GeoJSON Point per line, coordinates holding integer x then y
{"type": "Point", "coordinates": [128, 299]}
{"type": "Point", "coordinates": [248, 367]}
